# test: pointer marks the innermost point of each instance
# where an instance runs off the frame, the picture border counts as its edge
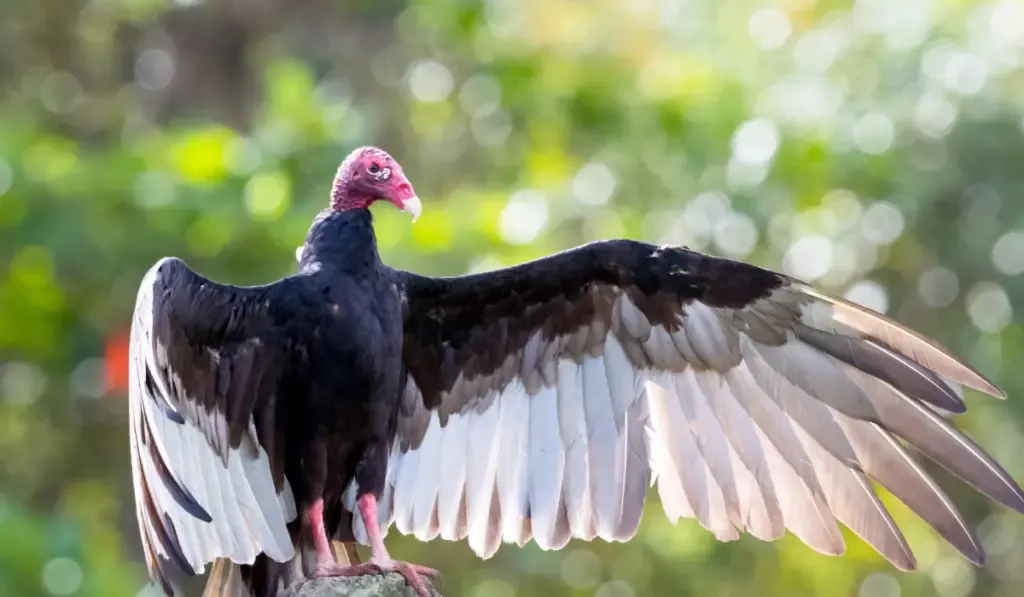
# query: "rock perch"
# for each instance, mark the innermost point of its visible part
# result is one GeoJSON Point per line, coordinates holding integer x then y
{"type": "Point", "coordinates": [389, 585]}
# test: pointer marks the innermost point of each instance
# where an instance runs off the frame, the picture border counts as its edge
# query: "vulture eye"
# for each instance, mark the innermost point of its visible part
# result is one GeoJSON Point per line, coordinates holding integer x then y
{"type": "Point", "coordinates": [374, 168]}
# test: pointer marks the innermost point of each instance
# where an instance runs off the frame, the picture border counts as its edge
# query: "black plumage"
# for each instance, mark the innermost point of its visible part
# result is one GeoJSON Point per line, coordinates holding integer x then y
{"type": "Point", "coordinates": [533, 402]}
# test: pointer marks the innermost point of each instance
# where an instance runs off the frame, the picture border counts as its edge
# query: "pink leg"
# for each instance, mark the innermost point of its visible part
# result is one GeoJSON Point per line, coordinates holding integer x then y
{"type": "Point", "coordinates": [380, 561]}
{"type": "Point", "coordinates": [368, 510]}
{"type": "Point", "coordinates": [324, 555]}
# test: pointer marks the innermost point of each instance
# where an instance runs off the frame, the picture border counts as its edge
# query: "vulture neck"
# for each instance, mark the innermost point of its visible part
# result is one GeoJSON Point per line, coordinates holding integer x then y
{"type": "Point", "coordinates": [341, 242]}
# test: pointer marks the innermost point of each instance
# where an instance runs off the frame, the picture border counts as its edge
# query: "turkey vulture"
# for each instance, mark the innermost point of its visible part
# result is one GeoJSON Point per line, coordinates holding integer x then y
{"type": "Point", "coordinates": [533, 402]}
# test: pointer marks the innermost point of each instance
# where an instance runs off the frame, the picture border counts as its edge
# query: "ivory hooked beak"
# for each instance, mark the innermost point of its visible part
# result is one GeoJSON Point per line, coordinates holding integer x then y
{"type": "Point", "coordinates": [413, 206]}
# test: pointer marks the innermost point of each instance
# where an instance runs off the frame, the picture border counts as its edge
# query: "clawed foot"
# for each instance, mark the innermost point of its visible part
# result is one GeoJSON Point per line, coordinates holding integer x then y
{"type": "Point", "coordinates": [413, 573]}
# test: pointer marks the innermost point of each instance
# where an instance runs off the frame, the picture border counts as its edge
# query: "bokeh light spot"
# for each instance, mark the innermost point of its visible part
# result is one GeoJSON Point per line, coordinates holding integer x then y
{"type": "Point", "coordinates": [581, 568]}
{"type": "Point", "coordinates": [1008, 253]}
{"type": "Point", "coordinates": [879, 584]}
{"type": "Point", "coordinates": [934, 115]}
{"type": "Point", "coordinates": [480, 95]}
{"type": "Point", "coordinates": [268, 195]}
{"type": "Point", "coordinates": [989, 307]}
{"type": "Point", "coordinates": [60, 92]}
{"type": "Point", "coordinates": [199, 155]}
{"type": "Point", "coordinates": [21, 383]}
{"type": "Point", "coordinates": [874, 133]}
{"type": "Point", "coordinates": [755, 142]}
{"type": "Point", "coordinates": [154, 70]}
{"type": "Point", "coordinates": [817, 50]}
{"type": "Point", "coordinates": [593, 184]}
{"type": "Point", "coordinates": [998, 534]}
{"type": "Point", "coordinates": [882, 223]}
{"type": "Point", "coordinates": [736, 235]}
{"type": "Point", "coordinates": [965, 73]}
{"type": "Point", "coordinates": [953, 577]}
{"type": "Point", "coordinates": [769, 28]}
{"type": "Point", "coordinates": [809, 258]}
{"type": "Point", "coordinates": [62, 576]}
{"type": "Point", "coordinates": [870, 294]}
{"type": "Point", "coordinates": [844, 206]}
{"type": "Point", "coordinates": [88, 379]}
{"type": "Point", "coordinates": [491, 129]}
{"type": "Point", "coordinates": [615, 588]}
{"type": "Point", "coordinates": [938, 287]}
{"type": "Point", "coordinates": [524, 217]}
{"type": "Point", "coordinates": [430, 81]}
{"type": "Point", "coordinates": [493, 587]}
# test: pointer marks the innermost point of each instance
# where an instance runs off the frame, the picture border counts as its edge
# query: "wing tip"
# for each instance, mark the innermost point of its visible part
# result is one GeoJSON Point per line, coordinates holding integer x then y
{"type": "Point", "coordinates": [1017, 504]}
{"type": "Point", "coordinates": [957, 369]}
{"type": "Point", "coordinates": [906, 563]}
{"type": "Point", "coordinates": [977, 556]}
{"type": "Point", "coordinates": [978, 382]}
{"type": "Point", "coordinates": [990, 388]}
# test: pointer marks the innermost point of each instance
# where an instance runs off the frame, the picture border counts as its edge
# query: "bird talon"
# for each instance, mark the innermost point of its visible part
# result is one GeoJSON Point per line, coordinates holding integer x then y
{"type": "Point", "coordinates": [413, 574]}
{"type": "Point", "coordinates": [329, 569]}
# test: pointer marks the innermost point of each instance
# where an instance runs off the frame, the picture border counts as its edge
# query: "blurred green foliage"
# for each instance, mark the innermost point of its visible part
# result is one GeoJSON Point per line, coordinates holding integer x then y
{"type": "Point", "coordinates": [874, 148]}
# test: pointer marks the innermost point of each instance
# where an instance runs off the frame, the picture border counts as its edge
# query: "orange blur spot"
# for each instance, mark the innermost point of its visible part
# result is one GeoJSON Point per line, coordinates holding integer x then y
{"type": "Point", "coordinates": [115, 364]}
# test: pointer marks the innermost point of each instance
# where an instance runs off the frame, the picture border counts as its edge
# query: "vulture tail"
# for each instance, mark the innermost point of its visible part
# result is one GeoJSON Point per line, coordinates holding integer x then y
{"type": "Point", "coordinates": [267, 578]}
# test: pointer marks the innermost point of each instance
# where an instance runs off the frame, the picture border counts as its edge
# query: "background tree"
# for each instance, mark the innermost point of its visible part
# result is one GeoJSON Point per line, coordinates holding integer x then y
{"type": "Point", "coordinates": [873, 148]}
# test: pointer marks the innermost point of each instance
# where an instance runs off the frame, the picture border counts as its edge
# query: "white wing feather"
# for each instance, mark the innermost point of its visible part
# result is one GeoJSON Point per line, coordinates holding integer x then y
{"type": "Point", "coordinates": [247, 515]}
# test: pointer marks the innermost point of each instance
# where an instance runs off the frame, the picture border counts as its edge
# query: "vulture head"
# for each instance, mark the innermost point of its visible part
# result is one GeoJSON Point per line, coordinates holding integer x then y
{"type": "Point", "coordinates": [369, 174]}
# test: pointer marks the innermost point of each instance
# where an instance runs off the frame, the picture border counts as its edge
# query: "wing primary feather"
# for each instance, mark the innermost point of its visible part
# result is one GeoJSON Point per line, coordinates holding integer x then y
{"type": "Point", "coordinates": [772, 424]}
{"type": "Point", "coordinates": [172, 536]}
{"type": "Point", "coordinates": [160, 401]}
{"type": "Point", "coordinates": [799, 490]}
{"type": "Point", "coordinates": [886, 462]}
{"type": "Point", "coordinates": [698, 483]}
{"type": "Point", "coordinates": [709, 437]}
{"type": "Point", "coordinates": [853, 501]}
{"type": "Point", "coordinates": [179, 492]}
{"type": "Point", "coordinates": [940, 441]}
{"type": "Point", "coordinates": [862, 396]}
{"type": "Point", "coordinates": [746, 448]}
{"type": "Point", "coordinates": [804, 512]}
{"type": "Point", "coordinates": [898, 371]}
{"type": "Point", "coordinates": [835, 315]}
{"type": "Point", "coordinates": [176, 488]}
{"type": "Point", "coordinates": [158, 523]}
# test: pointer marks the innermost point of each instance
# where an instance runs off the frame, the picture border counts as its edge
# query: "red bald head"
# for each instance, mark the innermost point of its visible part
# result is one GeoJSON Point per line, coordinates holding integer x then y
{"type": "Point", "coordinates": [369, 174]}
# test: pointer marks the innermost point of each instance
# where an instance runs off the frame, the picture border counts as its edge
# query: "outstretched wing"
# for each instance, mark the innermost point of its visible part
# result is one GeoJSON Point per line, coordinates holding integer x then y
{"type": "Point", "coordinates": [540, 398]}
{"type": "Point", "coordinates": [207, 473]}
